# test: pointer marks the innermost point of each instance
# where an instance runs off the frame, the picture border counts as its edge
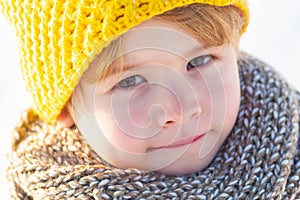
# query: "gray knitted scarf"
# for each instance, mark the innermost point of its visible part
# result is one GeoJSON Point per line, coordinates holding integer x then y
{"type": "Point", "coordinates": [259, 159]}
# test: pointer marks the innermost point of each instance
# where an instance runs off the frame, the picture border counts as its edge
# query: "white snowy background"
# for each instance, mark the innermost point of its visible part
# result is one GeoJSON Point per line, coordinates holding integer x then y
{"type": "Point", "coordinates": [273, 35]}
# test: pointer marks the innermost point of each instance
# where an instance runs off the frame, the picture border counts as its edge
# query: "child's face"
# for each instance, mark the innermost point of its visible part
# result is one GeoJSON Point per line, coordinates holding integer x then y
{"type": "Point", "coordinates": [172, 110]}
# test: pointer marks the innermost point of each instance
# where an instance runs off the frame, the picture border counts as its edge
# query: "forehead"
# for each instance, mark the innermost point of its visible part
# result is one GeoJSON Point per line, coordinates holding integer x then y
{"type": "Point", "coordinates": [153, 34]}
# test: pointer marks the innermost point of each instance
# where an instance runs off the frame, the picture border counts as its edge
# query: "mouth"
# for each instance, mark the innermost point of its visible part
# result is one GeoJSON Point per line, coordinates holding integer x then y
{"type": "Point", "coordinates": [179, 143]}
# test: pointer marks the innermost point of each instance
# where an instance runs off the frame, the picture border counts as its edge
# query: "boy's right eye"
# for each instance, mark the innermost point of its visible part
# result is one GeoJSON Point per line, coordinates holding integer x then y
{"type": "Point", "coordinates": [129, 82]}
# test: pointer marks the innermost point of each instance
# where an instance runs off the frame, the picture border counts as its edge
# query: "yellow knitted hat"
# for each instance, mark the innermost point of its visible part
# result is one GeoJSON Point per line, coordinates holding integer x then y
{"type": "Point", "coordinates": [58, 39]}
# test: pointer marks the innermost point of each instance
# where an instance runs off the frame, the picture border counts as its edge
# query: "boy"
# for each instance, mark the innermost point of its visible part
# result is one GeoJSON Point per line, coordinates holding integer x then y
{"type": "Point", "coordinates": [166, 95]}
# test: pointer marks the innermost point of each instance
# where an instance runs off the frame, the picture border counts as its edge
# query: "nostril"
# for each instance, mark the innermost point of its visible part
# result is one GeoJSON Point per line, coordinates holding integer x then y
{"type": "Point", "coordinates": [168, 123]}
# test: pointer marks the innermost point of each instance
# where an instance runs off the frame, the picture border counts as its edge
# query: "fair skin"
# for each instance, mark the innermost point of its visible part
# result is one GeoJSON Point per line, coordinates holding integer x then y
{"type": "Point", "coordinates": [171, 111]}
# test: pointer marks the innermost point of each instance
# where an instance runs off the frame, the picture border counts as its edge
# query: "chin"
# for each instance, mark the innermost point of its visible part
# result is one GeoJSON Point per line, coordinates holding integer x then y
{"type": "Point", "coordinates": [186, 166]}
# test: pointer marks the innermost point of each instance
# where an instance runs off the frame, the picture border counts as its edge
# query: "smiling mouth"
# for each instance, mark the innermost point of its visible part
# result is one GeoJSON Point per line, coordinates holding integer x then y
{"type": "Point", "coordinates": [179, 143]}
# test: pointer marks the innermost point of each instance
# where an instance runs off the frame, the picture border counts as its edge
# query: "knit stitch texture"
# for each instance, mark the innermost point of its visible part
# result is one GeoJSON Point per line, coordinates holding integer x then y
{"type": "Point", "coordinates": [259, 159]}
{"type": "Point", "coordinates": [58, 39]}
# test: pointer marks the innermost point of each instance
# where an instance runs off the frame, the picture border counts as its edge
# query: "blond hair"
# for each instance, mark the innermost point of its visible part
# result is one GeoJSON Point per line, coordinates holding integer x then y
{"type": "Point", "coordinates": [213, 25]}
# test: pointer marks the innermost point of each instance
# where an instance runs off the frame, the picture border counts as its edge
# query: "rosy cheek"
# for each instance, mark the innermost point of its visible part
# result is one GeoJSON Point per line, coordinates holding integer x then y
{"type": "Point", "coordinates": [133, 124]}
{"type": "Point", "coordinates": [134, 114]}
{"type": "Point", "coordinates": [123, 141]}
{"type": "Point", "coordinates": [139, 112]}
{"type": "Point", "coordinates": [118, 138]}
{"type": "Point", "coordinates": [122, 125]}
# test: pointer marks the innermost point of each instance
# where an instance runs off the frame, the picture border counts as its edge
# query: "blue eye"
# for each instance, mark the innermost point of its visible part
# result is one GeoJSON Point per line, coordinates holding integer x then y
{"type": "Point", "coordinates": [199, 61]}
{"type": "Point", "coordinates": [130, 82]}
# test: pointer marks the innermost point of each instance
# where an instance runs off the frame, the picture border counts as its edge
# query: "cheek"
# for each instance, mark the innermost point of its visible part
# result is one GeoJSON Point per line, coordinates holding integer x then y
{"type": "Point", "coordinates": [225, 96]}
{"type": "Point", "coordinates": [232, 96]}
{"type": "Point", "coordinates": [139, 109]}
{"type": "Point", "coordinates": [135, 113]}
{"type": "Point", "coordinates": [231, 81]}
{"type": "Point", "coordinates": [117, 125]}
{"type": "Point", "coordinates": [224, 92]}
{"type": "Point", "coordinates": [118, 139]}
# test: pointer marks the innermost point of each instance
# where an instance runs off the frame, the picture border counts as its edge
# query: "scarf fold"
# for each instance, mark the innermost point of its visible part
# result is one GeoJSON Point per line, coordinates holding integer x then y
{"type": "Point", "coordinates": [258, 160]}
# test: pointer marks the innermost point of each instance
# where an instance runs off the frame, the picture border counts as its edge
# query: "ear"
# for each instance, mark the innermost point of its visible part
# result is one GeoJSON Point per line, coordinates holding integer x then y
{"type": "Point", "coordinates": [65, 119]}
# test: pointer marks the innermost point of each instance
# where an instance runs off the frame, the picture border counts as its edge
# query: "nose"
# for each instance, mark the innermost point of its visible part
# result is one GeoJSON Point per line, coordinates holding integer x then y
{"type": "Point", "coordinates": [178, 102]}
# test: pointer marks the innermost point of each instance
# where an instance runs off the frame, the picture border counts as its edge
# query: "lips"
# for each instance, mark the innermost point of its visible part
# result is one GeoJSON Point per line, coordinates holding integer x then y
{"type": "Point", "coordinates": [180, 143]}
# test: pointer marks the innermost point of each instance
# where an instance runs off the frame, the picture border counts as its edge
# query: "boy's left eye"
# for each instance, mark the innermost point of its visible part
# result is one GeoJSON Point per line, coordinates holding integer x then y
{"type": "Point", "coordinates": [199, 61]}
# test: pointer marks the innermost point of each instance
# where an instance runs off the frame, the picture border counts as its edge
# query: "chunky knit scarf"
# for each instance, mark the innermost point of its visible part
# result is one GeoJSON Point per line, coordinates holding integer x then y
{"type": "Point", "coordinates": [259, 160]}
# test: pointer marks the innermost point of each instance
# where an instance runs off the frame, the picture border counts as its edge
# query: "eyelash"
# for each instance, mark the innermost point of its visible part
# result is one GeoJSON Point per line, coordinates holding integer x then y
{"type": "Point", "coordinates": [135, 80]}
{"type": "Point", "coordinates": [199, 61]}
{"type": "Point", "coordinates": [129, 82]}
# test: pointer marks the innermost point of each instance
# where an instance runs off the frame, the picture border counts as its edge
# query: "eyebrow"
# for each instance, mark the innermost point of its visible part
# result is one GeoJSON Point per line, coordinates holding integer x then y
{"type": "Point", "coordinates": [201, 50]}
